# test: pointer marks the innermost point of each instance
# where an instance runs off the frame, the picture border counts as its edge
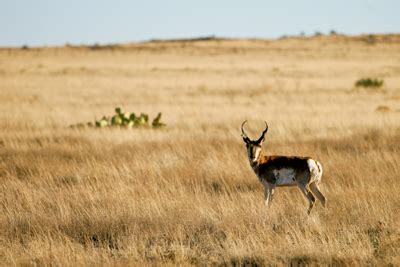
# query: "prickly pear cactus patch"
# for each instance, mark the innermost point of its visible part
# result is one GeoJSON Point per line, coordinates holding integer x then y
{"type": "Point", "coordinates": [124, 120]}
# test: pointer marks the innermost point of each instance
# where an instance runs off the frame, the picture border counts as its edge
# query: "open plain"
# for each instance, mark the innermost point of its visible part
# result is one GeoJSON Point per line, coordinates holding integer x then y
{"type": "Point", "coordinates": [186, 194]}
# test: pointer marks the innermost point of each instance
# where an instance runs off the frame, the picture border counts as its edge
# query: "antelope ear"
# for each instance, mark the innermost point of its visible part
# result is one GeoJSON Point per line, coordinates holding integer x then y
{"type": "Point", "coordinates": [246, 139]}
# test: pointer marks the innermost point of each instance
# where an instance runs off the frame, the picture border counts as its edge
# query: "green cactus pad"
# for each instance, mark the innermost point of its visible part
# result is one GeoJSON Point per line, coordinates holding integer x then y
{"type": "Point", "coordinates": [156, 122]}
{"type": "Point", "coordinates": [116, 120]}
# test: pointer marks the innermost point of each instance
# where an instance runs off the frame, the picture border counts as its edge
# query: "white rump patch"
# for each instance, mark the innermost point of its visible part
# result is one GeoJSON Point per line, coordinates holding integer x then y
{"type": "Point", "coordinates": [285, 176]}
{"type": "Point", "coordinates": [315, 169]}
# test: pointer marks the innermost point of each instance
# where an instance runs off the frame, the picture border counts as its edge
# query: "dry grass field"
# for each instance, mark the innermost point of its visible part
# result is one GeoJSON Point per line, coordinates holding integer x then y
{"type": "Point", "coordinates": [186, 194]}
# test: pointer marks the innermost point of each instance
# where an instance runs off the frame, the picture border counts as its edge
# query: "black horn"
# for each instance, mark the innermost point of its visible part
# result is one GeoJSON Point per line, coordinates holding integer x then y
{"type": "Point", "coordinates": [244, 135]}
{"type": "Point", "coordinates": [263, 133]}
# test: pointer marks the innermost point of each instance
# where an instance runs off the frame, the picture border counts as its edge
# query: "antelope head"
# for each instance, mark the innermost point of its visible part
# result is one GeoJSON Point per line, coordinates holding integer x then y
{"type": "Point", "coordinates": [253, 146]}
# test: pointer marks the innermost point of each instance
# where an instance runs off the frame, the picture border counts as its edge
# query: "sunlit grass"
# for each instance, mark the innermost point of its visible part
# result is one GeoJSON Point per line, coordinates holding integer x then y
{"type": "Point", "coordinates": [186, 194]}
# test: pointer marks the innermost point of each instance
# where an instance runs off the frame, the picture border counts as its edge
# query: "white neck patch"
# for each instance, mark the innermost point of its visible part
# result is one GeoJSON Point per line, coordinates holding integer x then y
{"type": "Point", "coordinates": [256, 154]}
{"type": "Point", "coordinates": [258, 151]}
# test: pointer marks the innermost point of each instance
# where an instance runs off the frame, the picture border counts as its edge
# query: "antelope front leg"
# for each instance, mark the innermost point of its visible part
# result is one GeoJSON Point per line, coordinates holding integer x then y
{"type": "Point", "coordinates": [269, 191]}
{"type": "Point", "coordinates": [266, 195]}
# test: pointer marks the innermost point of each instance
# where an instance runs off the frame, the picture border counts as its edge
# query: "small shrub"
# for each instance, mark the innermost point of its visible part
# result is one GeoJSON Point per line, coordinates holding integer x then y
{"type": "Point", "coordinates": [98, 47]}
{"type": "Point", "coordinates": [318, 33]}
{"type": "Point", "coordinates": [370, 39]}
{"type": "Point", "coordinates": [95, 46]}
{"type": "Point", "coordinates": [383, 109]}
{"type": "Point", "coordinates": [157, 121]}
{"type": "Point", "coordinates": [368, 82]}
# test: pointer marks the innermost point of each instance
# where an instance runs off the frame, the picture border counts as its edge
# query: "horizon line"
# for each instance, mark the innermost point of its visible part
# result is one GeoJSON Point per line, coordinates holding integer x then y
{"type": "Point", "coordinates": [198, 38]}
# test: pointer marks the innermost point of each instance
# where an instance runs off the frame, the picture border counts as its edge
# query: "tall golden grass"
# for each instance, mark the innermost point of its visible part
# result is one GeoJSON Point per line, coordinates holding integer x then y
{"type": "Point", "coordinates": [186, 194]}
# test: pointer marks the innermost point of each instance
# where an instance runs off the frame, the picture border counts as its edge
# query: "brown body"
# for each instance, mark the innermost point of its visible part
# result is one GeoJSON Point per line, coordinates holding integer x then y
{"type": "Point", "coordinates": [266, 168]}
{"type": "Point", "coordinates": [274, 171]}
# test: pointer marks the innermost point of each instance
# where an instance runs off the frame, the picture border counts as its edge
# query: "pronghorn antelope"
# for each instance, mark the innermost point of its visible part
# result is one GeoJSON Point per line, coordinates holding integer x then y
{"type": "Point", "coordinates": [273, 171]}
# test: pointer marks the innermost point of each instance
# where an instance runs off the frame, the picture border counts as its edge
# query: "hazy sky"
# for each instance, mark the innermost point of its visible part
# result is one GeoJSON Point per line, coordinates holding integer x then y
{"type": "Point", "coordinates": [49, 22]}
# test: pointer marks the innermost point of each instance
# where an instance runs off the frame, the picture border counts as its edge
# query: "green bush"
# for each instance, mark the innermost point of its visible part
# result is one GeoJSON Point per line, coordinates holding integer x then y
{"type": "Point", "coordinates": [126, 120]}
{"type": "Point", "coordinates": [368, 82]}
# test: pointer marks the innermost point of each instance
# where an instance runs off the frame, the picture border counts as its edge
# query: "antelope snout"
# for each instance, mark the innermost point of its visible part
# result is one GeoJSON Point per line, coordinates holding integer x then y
{"type": "Point", "coordinates": [253, 161]}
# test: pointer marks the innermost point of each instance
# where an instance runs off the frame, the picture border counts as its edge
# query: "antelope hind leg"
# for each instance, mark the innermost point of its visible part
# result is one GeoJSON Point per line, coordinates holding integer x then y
{"type": "Point", "coordinates": [309, 196]}
{"type": "Point", "coordinates": [317, 192]}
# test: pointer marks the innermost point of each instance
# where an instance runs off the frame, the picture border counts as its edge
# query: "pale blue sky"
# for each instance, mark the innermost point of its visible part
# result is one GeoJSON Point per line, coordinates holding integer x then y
{"type": "Point", "coordinates": [51, 22]}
